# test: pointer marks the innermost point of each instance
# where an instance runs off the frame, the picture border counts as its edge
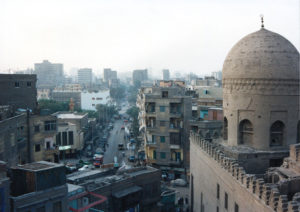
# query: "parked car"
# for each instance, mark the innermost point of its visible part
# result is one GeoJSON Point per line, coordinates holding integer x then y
{"type": "Point", "coordinates": [122, 128]}
{"type": "Point", "coordinates": [131, 158]}
{"type": "Point", "coordinates": [70, 168]}
{"type": "Point", "coordinates": [178, 182]}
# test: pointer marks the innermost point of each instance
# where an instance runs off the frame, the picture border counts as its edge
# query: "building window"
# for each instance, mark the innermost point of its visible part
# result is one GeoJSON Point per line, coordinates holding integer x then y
{"type": "Point", "coordinates": [93, 105]}
{"type": "Point", "coordinates": [36, 128]}
{"type": "Point", "coordinates": [162, 108]}
{"type": "Point", "coordinates": [58, 139]}
{"type": "Point", "coordinates": [64, 139]}
{"type": "Point", "coordinates": [153, 138]}
{"type": "Point", "coordinates": [93, 98]}
{"type": "Point", "coordinates": [225, 129]}
{"type": "Point", "coordinates": [164, 94]}
{"type": "Point", "coordinates": [71, 138]}
{"type": "Point", "coordinates": [175, 138]}
{"type": "Point", "coordinates": [37, 147]}
{"type": "Point", "coordinates": [162, 123]}
{"type": "Point", "coordinates": [218, 191]}
{"type": "Point", "coordinates": [154, 154]}
{"type": "Point", "coordinates": [226, 201]}
{"type": "Point", "coordinates": [57, 207]}
{"type": "Point", "coordinates": [236, 207]}
{"type": "Point", "coordinates": [162, 139]}
{"type": "Point", "coordinates": [17, 84]}
{"type": "Point", "coordinates": [245, 132]}
{"type": "Point", "coordinates": [28, 84]}
{"type": "Point", "coordinates": [50, 125]}
{"type": "Point", "coordinates": [277, 134]}
{"type": "Point", "coordinates": [48, 145]}
{"type": "Point", "coordinates": [163, 155]}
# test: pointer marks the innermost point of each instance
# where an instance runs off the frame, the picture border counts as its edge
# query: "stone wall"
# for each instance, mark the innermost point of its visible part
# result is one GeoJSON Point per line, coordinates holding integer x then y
{"type": "Point", "coordinates": [209, 167]}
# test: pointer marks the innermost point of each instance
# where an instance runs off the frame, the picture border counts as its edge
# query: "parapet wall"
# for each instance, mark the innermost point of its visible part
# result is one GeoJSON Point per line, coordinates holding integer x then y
{"type": "Point", "coordinates": [267, 192]}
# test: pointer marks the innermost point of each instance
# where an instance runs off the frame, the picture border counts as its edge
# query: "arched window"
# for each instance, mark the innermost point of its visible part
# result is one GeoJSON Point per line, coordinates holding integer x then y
{"type": "Point", "coordinates": [298, 132]}
{"type": "Point", "coordinates": [245, 132]}
{"type": "Point", "coordinates": [225, 129]}
{"type": "Point", "coordinates": [277, 134]}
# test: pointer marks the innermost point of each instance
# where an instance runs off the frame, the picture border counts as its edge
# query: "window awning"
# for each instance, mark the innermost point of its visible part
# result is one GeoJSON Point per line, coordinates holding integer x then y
{"type": "Point", "coordinates": [127, 191]}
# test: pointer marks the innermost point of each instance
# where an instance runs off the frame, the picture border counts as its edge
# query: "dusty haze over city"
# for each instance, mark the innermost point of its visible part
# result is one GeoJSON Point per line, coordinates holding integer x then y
{"type": "Point", "coordinates": [183, 36]}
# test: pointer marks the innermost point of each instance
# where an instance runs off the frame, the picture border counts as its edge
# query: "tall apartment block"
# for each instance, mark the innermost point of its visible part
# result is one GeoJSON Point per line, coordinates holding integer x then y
{"type": "Point", "coordinates": [139, 75]}
{"type": "Point", "coordinates": [109, 74]}
{"type": "Point", "coordinates": [49, 74]}
{"type": "Point", "coordinates": [164, 114]}
{"type": "Point", "coordinates": [166, 74]}
{"type": "Point", "coordinates": [85, 76]}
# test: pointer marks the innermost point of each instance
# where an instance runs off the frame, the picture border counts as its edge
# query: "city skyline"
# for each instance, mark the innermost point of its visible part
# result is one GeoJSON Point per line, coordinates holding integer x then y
{"type": "Point", "coordinates": [183, 37]}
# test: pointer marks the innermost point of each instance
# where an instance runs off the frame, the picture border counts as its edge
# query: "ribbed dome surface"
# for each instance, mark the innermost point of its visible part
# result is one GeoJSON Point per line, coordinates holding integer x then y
{"type": "Point", "coordinates": [262, 55]}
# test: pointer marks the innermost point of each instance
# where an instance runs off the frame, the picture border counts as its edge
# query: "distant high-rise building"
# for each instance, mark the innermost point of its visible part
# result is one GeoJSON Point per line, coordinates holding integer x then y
{"type": "Point", "coordinates": [49, 74]}
{"type": "Point", "coordinates": [85, 76]}
{"type": "Point", "coordinates": [217, 75]}
{"type": "Point", "coordinates": [166, 74]}
{"type": "Point", "coordinates": [109, 74]}
{"type": "Point", "coordinates": [139, 75]}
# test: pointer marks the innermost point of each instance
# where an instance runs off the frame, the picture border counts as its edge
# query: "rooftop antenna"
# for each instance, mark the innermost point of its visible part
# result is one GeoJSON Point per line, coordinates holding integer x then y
{"type": "Point", "coordinates": [262, 20]}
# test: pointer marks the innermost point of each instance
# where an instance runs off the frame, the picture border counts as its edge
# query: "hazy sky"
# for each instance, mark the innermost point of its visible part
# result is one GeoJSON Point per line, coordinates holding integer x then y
{"type": "Point", "coordinates": [183, 36]}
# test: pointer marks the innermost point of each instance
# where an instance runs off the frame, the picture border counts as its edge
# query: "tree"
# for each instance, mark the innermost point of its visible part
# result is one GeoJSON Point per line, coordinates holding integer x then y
{"type": "Point", "coordinates": [106, 112]}
{"type": "Point", "coordinates": [133, 112]}
{"type": "Point", "coordinates": [117, 93]}
{"type": "Point", "coordinates": [53, 106]}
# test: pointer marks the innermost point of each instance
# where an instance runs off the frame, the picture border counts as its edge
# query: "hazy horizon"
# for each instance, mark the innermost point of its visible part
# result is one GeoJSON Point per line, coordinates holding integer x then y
{"type": "Point", "coordinates": [182, 36]}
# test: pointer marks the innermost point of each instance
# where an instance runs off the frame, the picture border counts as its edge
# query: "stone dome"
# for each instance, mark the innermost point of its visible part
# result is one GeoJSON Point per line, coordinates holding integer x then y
{"type": "Point", "coordinates": [262, 55]}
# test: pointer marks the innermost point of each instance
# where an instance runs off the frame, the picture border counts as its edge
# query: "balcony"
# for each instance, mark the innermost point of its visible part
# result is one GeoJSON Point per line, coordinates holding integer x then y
{"type": "Point", "coordinates": [51, 151]}
{"type": "Point", "coordinates": [174, 146]}
{"type": "Point", "coordinates": [151, 144]}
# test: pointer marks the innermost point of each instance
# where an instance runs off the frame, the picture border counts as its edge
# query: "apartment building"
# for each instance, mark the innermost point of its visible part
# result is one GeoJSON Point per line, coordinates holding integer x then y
{"type": "Point", "coordinates": [164, 114]}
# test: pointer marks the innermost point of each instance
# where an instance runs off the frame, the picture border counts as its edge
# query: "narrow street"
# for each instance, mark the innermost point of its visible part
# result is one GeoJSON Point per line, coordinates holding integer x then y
{"type": "Point", "coordinates": [116, 137]}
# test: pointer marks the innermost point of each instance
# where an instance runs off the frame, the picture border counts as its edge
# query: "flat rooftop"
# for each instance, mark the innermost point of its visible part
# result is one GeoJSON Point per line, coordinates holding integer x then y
{"type": "Point", "coordinates": [37, 166]}
{"type": "Point", "coordinates": [69, 116]}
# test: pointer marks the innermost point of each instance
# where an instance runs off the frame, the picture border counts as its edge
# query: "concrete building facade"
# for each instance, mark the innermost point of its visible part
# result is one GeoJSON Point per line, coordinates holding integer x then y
{"type": "Point", "coordinates": [261, 121]}
{"type": "Point", "coordinates": [90, 99]}
{"type": "Point", "coordinates": [4, 188]}
{"type": "Point", "coordinates": [18, 91]}
{"type": "Point", "coordinates": [43, 131]}
{"type": "Point", "coordinates": [109, 74]}
{"type": "Point", "coordinates": [166, 74]}
{"type": "Point", "coordinates": [139, 75]}
{"type": "Point", "coordinates": [85, 76]}
{"type": "Point", "coordinates": [49, 74]}
{"type": "Point", "coordinates": [164, 114]}
{"type": "Point", "coordinates": [13, 139]}
{"type": "Point", "coordinates": [43, 182]}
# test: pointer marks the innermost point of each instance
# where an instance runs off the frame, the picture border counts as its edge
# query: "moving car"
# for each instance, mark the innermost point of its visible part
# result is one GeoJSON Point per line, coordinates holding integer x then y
{"type": "Point", "coordinates": [122, 127]}
{"type": "Point", "coordinates": [120, 146]}
{"type": "Point", "coordinates": [85, 168]}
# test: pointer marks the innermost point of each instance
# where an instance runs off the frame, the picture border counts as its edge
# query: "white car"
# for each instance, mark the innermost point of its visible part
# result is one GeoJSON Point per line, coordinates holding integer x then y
{"type": "Point", "coordinates": [178, 182]}
{"type": "Point", "coordinates": [85, 168]}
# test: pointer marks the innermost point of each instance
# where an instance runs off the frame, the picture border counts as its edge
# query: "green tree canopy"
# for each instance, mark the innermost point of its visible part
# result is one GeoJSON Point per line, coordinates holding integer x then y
{"type": "Point", "coordinates": [53, 106]}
